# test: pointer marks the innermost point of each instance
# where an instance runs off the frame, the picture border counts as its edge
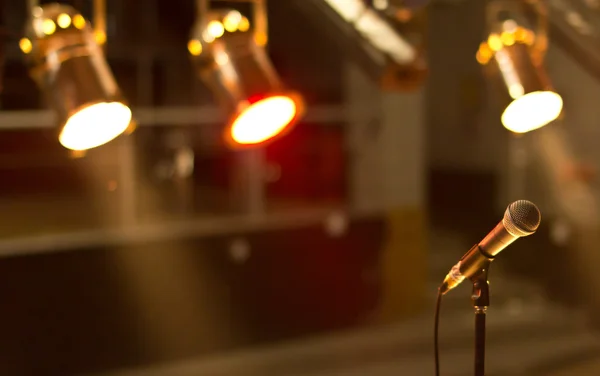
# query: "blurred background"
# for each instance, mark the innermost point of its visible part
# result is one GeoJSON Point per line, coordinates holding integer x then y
{"type": "Point", "coordinates": [277, 188]}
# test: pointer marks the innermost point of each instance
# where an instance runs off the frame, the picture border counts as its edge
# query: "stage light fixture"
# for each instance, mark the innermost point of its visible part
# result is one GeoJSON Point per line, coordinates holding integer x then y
{"type": "Point", "coordinates": [68, 65]}
{"type": "Point", "coordinates": [229, 54]}
{"type": "Point", "coordinates": [514, 54]}
{"type": "Point", "coordinates": [386, 39]}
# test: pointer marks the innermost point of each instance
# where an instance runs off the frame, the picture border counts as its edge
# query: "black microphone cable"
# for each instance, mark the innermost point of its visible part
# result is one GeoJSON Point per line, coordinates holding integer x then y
{"type": "Point", "coordinates": [436, 325]}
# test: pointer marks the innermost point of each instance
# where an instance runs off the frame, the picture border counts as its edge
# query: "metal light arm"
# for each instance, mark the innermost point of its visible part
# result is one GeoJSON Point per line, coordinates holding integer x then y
{"type": "Point", "coordinates": [540, 45]}
{"type": "Point", "coordinates": [202, 8]}
{"type": "Point", "coordinates": [261, 26]}
{"type": "Point", "coordinates": [100, 21]}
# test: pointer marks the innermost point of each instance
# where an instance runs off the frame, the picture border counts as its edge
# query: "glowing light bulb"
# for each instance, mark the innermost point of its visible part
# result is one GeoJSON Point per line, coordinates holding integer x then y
{"type": "Point", "coordinates": [25, 45]}
{"type": "Point", "coordinates": [244, 24]}
{"type": "Point", "coordinates": [263, 120]}
{"type": "Point", "coordinates": [532, 111]}
{"type": "Point", "coordinates": [215, 29]}
{"type": "Point", "coordinates": [495, 42]}
{"type": "Point", "coordinates": [100, 37]}
{"type": "Point", "coordinates": [195, 47]}
{"type": "Point", "coordinates": [508, 38]}
{"type": "Point", "coordinates": [484, 54]}
{"type": "Point", "coordinates": [208, 37]}
{"type": "Point", "coordinates": [232, 20]}
{"type": "Point", "coordinates": [63, 20]}
{"type": "Point", "coordinates": [48, 27]}
{"type": "Point", "coordinates": [95, 125]}
{"type": "Point", "coordinates": [79, 21]}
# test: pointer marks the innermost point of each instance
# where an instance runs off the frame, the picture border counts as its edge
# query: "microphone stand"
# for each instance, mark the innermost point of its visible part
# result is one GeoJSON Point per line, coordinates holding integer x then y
{"type": "Point", "coordinates": [481, 301]}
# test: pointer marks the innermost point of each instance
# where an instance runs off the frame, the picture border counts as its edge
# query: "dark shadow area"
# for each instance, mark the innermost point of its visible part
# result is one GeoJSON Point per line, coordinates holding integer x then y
{"type": "Point", "coordinates": [75, 313]}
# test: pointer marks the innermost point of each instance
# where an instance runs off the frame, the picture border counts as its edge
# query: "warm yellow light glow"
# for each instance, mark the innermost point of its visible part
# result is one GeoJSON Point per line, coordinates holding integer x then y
{"type": "Point", "coordinates": [261, 39]}
{"type": "Point", "coordinates": [510, 26]}
{"type": "Point", "coordinates": [381, 4]}
{"type": "Point", "coordinates": [244, 24]}
{"type": "Point", "coordinates": [484, 54]}
{"type": "Point", "coordinates": [195, 47]}
{"type": "Point", "coordinates": [25, 45]}
{"type": "Point", "coordinates": [263, 120]}
{"type": "Point", "coordinates": [208, 37]}
{"type": "Point", "coordinates": [221, 58]}
{"type": "Point", "coordinates": [516, 90]}
{"type": "Point", "coordinates": [480, 58]}
{"type": "Point", "coordinates": [48, 27]}
{"type": "Point", "coordinates": [529, 38]}
{"type": "Point", "coordinates": [232, 20]}
{"type": "Point", "coordinates": [532, 111]}
{"type": "Point", "coordinates": [100, 37]}
{"type": "Point", "coordinates": [95, 125]}
{"type": "Point", "coordinates": [215, 29]}
{"type": "Point", "coordinates": [63, 20]}
{"type": "Point", "coordinates": [79, 21]}
{"type": "Point", "coordinates": [507, 38]}
{"type": "Point", "coordinates": [521, 34]}
{"type": "Point", "coordinates": [77, 154]}
{"type": "Point", "coordinates": [494, 42]}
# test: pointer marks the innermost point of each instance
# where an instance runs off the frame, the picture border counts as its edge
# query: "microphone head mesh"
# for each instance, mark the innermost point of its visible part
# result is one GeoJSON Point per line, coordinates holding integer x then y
{"type": "Point", "coordinates": [522, 218]}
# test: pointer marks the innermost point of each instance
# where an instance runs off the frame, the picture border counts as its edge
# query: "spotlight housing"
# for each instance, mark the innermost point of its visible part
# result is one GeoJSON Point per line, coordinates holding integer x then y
{"type": "Point", "coordinates": [514, 54]}
{"type": "Point", "coordinates": [68, 65]}
{"type": "Point", "coordinates": [386, 39]}
{"type": "Point", "coordinates": [232, 61]}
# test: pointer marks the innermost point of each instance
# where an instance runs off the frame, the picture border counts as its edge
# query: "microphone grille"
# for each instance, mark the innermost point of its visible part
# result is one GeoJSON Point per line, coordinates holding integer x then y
{"type": "Point", "coordinates": [522, 218]}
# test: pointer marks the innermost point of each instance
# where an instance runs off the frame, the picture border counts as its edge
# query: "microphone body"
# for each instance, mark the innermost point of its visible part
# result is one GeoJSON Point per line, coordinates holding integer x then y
{"type": "Point", "coordinates": [522, 218]}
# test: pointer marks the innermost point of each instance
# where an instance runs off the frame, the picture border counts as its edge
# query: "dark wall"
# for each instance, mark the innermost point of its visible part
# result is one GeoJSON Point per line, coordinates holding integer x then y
{"type": "Point", "coordinates": [98, 309]}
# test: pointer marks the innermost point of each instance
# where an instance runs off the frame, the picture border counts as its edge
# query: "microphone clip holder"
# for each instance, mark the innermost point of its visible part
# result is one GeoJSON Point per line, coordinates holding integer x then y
{"type": "Point", "coordinates": [481, 301]}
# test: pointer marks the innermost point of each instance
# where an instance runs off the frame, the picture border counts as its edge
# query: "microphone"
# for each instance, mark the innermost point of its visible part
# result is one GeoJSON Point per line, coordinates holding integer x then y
{"type": "Point", "coordinates": [521, 218]}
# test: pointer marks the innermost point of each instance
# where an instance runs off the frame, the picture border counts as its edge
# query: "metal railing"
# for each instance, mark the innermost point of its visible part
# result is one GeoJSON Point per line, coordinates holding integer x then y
{"type": "Point", "coordinates": [163, 116]}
